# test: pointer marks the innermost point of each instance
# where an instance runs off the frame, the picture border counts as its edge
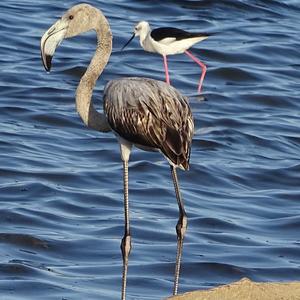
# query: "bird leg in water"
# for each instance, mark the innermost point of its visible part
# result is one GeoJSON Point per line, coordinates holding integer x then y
{"type": "Point", "coordinates": [126, 241]}
{"type": "Point", "coordinates": [180, 229]}
{"type": "Point", "coordinates": [201, 64]}
{"type": "Point", "coordinates": [166, 69]}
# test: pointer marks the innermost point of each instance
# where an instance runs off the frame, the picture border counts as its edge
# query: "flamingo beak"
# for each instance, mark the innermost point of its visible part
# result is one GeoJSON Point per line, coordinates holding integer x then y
{"type": "Point", "coordinates": [128, 42]}
{"type": "Point", "coordinates": [50, 41]}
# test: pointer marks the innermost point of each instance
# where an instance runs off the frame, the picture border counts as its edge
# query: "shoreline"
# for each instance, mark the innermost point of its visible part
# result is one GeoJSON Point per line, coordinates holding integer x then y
{"type": "Point", "coordinates": [245, 289]}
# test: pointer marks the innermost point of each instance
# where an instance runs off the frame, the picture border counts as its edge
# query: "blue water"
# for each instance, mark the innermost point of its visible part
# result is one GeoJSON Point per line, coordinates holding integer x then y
{"type": "Point", "coordinates": [61, 203]}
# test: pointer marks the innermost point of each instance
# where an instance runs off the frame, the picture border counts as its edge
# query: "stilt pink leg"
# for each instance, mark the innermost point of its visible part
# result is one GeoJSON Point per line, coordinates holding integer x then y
{"type": "Point", "coordinates": [202, 65]}
{"type": "Point", "coordinates": [166, 69]}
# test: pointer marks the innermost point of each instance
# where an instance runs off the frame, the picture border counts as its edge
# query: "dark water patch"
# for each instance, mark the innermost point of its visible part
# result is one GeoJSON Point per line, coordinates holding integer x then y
{"type": "Point", "coordinates": [22, 240]}
{"type": "Point", "coordinates": [17, 270]}
{"type": "Point", "coordinates": [233, 75]}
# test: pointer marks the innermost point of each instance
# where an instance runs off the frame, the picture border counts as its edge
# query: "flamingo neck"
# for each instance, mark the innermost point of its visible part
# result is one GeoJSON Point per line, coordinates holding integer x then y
{"type": "Point", "coordinates": [84, 104]}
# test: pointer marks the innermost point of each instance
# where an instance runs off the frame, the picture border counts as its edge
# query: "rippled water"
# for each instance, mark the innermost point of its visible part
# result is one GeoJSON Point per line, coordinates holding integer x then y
{"type": "Point", "coordinates": [61, 183]}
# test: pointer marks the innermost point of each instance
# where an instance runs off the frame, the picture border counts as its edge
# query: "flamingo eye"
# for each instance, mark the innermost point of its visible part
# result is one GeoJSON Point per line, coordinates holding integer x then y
{"type": "Point", "coordinates": [71, 17]}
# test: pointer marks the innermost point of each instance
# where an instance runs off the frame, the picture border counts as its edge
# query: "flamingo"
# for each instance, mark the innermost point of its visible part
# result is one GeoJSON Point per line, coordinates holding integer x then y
{"type": "Point", "coordinates": [143, 112]}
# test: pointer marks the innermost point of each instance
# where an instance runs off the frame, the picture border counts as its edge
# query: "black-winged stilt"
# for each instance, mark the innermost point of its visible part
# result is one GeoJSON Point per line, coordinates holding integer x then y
{"type": "Point", "coordinates": [169, 41]}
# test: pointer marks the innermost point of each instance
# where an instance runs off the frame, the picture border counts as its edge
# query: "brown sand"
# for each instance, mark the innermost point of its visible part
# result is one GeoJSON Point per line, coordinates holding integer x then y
{"type": "Point", "coordinates": [246, 289]}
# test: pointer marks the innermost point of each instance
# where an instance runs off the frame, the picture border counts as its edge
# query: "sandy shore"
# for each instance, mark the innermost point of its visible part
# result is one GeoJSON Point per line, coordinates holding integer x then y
{"type": "Point", "coordinates": [246, 289]}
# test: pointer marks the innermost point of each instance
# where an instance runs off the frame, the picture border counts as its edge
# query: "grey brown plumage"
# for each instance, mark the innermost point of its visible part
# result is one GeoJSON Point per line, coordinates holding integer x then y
{"type": "Point", "coordinates": [151, 114]}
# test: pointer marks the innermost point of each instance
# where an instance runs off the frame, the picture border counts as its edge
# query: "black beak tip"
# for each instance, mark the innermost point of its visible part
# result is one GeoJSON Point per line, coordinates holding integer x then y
{"type": "Point", "coordinates": [47, 62]}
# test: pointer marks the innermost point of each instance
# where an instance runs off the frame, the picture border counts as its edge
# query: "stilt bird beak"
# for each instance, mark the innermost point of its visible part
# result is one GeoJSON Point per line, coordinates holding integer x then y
{"type": "Point", "coordinates": [128, 42]}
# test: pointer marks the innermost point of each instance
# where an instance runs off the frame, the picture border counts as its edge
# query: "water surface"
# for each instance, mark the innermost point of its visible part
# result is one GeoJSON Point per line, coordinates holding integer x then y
{"type": "Point", "coordinates": [61, 204]}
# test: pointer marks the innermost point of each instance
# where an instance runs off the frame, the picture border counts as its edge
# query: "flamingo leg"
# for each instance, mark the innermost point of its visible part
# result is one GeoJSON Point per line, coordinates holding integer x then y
{"type": "Point", "coordinates": [126, 241]}
{"type": "Point", "coordinates": [180, 229]}
{"type": "Point", "coordinates": [166, 69]}
{"type": "Point", "coordinates": [201, 64]}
